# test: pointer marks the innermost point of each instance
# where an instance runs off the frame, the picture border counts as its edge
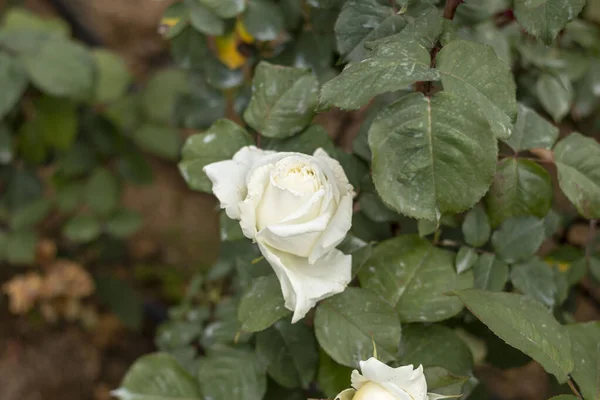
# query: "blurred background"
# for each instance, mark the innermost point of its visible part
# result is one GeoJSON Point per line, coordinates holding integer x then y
{"type": "Point", "coordinates": [65, 335]}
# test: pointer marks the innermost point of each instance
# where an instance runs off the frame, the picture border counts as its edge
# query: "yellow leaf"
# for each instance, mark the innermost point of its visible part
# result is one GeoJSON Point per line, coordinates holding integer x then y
{"type": "Point", "coordinates": [243, 34]}
{"type": "Point", "coordinates": [227, 51]}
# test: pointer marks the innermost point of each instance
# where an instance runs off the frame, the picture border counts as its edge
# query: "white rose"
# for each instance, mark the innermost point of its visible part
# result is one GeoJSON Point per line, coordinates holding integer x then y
{"type": "Point", "coordinates": [381, 382]}
{"type": "Point", "coordinates": [298, 208]}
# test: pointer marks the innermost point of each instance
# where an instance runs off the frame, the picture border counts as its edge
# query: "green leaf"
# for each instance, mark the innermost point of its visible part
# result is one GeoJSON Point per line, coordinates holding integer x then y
{"type": "Point", "coordinates": [489, 34]}
{"type": "Point", "coordinates": [518, 238]}
{"type": "Point", "coordinates": [465, 259]}
{"type": "Point", "coordinates": [124, 223]}
{"type": "Point", "coordinates": [424, 150]}
{"type": "Point", "coordinates": [290, 351]}
{"type": "Point", "coordinates": [30, 214]}
{"type": "Point", "coordinates": [112, 76]}
{"type": "Point", "coordinates": [56, 120]}
{"type": "Point", "coordinates": [361, 21]}
{"type": "Point", "coordinates": [531, 131]}
{"type": "Point", "coordinates": [14, 81]}
{"type": "Point", "coordinates": [444, 383]}
{"type": "Point", "coordinates": [21, 247]}
{"type": "Point", "coordinates": [476, 227]}
{"type": "Point", "coordinates": [426, 227]}
{"type": "Point", "coordinates": [161, 92]}
{"type": "Point", "coordinates": [413, 276]}
{"type": "Point", "coordinates": [348, 324]}
{"type": "Point", "coordinates": [229, 229]}
{"type": "Point", "coordinates": [225, 8]}
{"type": "Point", "coordinates": [578, 161]}
{"type": "Point", "coordinates": [219, 76]}
{"type": "Point", "coordinates": [220, 142]}
{"type": "Point", "coordinates": [263, 20]}
{"type": "Point", "coordinates": [435, 345]}
{"type": "Point", "coordinates": [312, 138]}
{"type": "Point", "coordinates": [389, 66]}
{"type": "Point", "coordinates": [524, 324]}
{"type": "Point", "coordinates": [520, 188]}
{"type": "Point", "coordinates": [189, 49]}
{"type": "Point", "coordinates": [283, 100]}
{"type": "Point", "coordinates": [490, 273]}
{"type": "Point", "coordinates": [536, 279]}
{"type": "Point", "coordinates": [122, 299]}
{"type": "Point", "coordinates": [62, 68]}
{"type": "Point", "coordinates": [564, 397]}
{"type": "Point", "coordinates": [545, 18]}
{"type": "Point", "coordinates": [177, 334]}
{"type": "Point", "coordinates": [22, 185]}
{"type": "Point", "coordinates": [375, 209]}
{"type": "Point", "coordinates": [6, 145]}
{"type": "Point", "coordinates": [83, 228]}
{"type": "Point", "coordinates": [556, 94]}
{"type": "Point", "coordinates": [158, 376]}
{"type": "Point", "coordinates": [473, 72]}
{"type": "Point", "coordinates": [102, 191]}
{"type": "Point", "coordinates": [159, 140]}
{"type": "Point", "coordinates": [262, 305]}
{"type": "Point", "coordinates": [134, 167]}
{"type": "Point", "coordinates": [332, 377]}
{"type": "Point", "coordinates": [586, 353]}
{"type": "Point", "coordinates": [232, 374]}
{"type": "Point", "coordinates": [174, 20]}
{"type": "Point", "coordinates": [359, 249]}
{"type": "Point", "coordinates": [203, 19]}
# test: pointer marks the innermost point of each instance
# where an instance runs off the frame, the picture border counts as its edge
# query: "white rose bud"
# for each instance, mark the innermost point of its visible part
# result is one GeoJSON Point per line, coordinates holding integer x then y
{"type": "Point", "coordinates": [298, 208]}
{"type": "Point", "coordinates": [381, 382]}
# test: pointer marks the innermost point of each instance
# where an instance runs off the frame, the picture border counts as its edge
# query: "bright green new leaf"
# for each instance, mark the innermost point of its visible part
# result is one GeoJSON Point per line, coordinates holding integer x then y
{"type": "Point", "coordinates": [472, 71]}
{"type": "Point", "coordinates": [82, 228]}
{"type": "Point", "coordinates": [262, 305]}
{"type": "Point", "coordinates": [112, 76]}
{"type": "Point", "coordinates": [518, 238]}
{"type": "Point", "coordinates": [525, 324]}
{"type": "Point", "coordinates": [413, 276]}
{"type": "Point", "coordinates": [232, 374]}
{"type": "Point", "coordinates": [30, 214]}
{"type": "Point", "coordinates": [203, 19]}
{"type": "Point", "coordinates": [283, 100]}
{"type": "Point", "coordinates": [225, 8]}
{"type": "Point", "coordinates": [545, 18]}
{"type": "Point", "coordinates": [578, 161]}
{"type": "Point", "coordinates": [102, 191]}
{"type": "Point", "coordinates": [435, 345]}
{"type": "Point", "coordinates": [531, 131]}
{"type": "Point", "coordinates": [490, 273]}
{"type": "Point", "coordinates": [21, 247]}
{"type": "Point", "coordinates": [62, 68]}
{"type": "Point", "coordinates": [424, 153]}
{"type": "Point", "coordinates": [123, 223]}
{"type": "Point", "coordinates": [586, 354]}
{"type": "Point", "coordinates": [14, 83]}
{"type": "Point", "coordinates": [291, 353]}
{"type": "Point", "coordinates": [556, 94]}
{"type": "Point", "coordinates": [389, 66]}
{"type": "Point", "coordinates": [220, 142]}
{"type": "Point", "coordinates": [158, 376]}
{"type": "Point", "coordinates": [348, 324]}
{"type": "Point", "coordinates": [465, 259]}
{"type": "Point", "coordinates": [536, 279]}
{"type": "Point", "coordinates": [361, 21]}
{"type": "Point", "coordinates": [476, 227]}
{"type": "Point", "coordinates": [263, 19]}
{"type": "Point", "coordinates": [519, 188]}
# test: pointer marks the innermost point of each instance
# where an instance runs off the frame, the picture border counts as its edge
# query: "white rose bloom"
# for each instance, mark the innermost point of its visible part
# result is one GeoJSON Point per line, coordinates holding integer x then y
{"type": "Point", "coordinates": [298, 208]}
{"type": "Point", "coordinates": [381, 382]}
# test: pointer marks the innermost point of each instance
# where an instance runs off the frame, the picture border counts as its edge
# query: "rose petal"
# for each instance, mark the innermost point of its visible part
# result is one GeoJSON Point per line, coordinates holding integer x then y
{"type": "Point", "coordinates": [336, 171]}
{"type": "Point", "coordinates": [336, 231]}
{"type": "Point", "coordinates": [229, 178]}
{"type": "Point", "coordinates": [309, 282]}
{"type": "Point", "coordinates": [401, 381]}
{"type": "Point", "coordinates": [257, 183]}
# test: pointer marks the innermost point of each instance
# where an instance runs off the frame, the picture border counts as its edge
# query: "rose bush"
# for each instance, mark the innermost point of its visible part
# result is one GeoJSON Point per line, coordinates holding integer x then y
{"type": "Point", "coordinates": [297, 208]}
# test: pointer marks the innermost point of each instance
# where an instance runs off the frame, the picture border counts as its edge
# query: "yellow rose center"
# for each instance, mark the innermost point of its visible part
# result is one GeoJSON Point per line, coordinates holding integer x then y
{"type": "Point", "coordinates": [373, 391]}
